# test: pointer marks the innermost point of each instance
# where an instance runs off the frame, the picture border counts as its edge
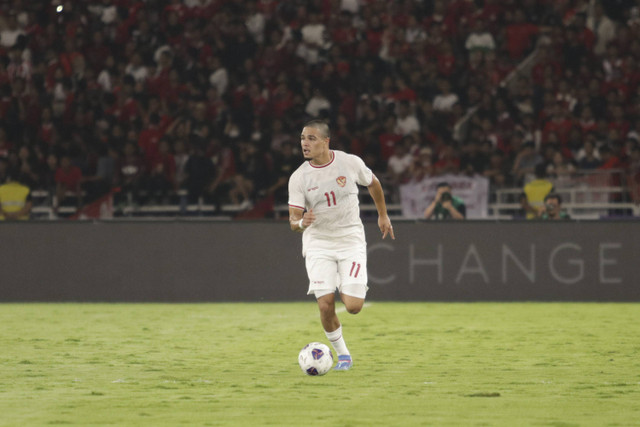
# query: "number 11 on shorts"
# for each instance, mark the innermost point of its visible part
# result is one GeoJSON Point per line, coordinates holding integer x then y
{"type": "Point", "coordinates": [354, 266]}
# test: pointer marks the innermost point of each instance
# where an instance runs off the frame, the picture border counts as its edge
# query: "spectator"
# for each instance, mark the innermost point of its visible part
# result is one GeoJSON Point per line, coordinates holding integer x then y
{"type": "Point", "coordinates": [314, 39]}
{"type": "Point", "coordinates": [279, 137]}
{"type": "Point", "coordinates": [137, 69]}
{"type": "Point", "coordinates": [588, 157]}
{"type": "Point", "coordinates": [19, 67]}
{"type": "Point", "coordinates": [199, 171]}
{"type": "Point", "coordinates": [414, 32]}
{"type": "Point", "coordinates": [284, 163]}
{"type": "Point", "coordinates": [535, 192]}
{"type": "Point", "coordinates": [219, 77]}
{"type": "Point", "coordinates": [149, 138]}
{"type": "Point", "coordinates": [15, 200]}
{"type": "Point", "coordinates": [473, 161]}
{"type": "Point", "coordinates": [399, 164]}
{"type": "Point", "coordinates": [255, 22]}
{"type": "Point", "coordinates": [519, 35]}
{"type": "Point", "coordinates": [68, 180]}
{"type": "Point", "coordinates": [181, 157]}
{"type": "Point", "coordinates": [422, 165]}
{"type": "Point", "coordinates": [552, 208]}
{"type": "Point", "coordinates": [11, 32]}
{"type": "Point", "coordinates": [559, 168]}
{"type": "Point", "coordinates": [318, 105]}
{"type": "Point", "coordinates": [47, 174]}
{"type": "Point", "coordinates": [609, 159]}
{"type": "Point", "coordinates": [119, 66]}
{"type": "Point", "coordinates": [28, 171]}
{"type": "Point", "coordinates": [130, 173]}
{"type": "Point", "coordinates": [162, 173]}
{"type": "Point", "coordinates": [406, 122]}
{"type": "Point", "coordinates": [446, 99]}
{"type": "Point", "coordinates": [525, 163]}
{"type": "Point", "coordinates": [479, 41]}
{"type": "Point", "coordinates": [448, 161]}
{"type": "Point", "coordinates": [224, 163]}
{"type": "Point", "coordinates": [445, 205]}
{"type": "Point", "coordinates": [250, 177]}
{"type": "Point", "coordinates": [497, 170]}
{"type": "Point", "coordinates": [603, 27]}
{"type": "Point", "coordinates": [389, 138]}
{"type": "Point", "coordinates": [108, 74]}
{"type": "Point", "coordinates": [100, 184]}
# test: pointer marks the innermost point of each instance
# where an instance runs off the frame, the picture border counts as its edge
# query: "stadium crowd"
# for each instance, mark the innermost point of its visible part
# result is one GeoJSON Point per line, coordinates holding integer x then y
{"type": "Point", "coordinates": [152, 96]}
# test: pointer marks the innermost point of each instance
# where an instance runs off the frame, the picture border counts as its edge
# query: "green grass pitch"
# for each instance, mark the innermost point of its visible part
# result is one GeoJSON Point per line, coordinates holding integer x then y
{"type": "Point", "coordinates": [437, 364]}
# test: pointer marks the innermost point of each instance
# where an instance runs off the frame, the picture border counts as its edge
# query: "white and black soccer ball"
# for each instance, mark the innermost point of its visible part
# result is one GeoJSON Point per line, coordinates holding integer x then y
{"type": "Point", "coordinates": [315, 359]}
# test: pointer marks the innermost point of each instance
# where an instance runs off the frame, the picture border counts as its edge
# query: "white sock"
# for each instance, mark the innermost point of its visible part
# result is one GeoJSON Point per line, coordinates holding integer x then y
{"type": "Point", "coordinates": [337, 341]}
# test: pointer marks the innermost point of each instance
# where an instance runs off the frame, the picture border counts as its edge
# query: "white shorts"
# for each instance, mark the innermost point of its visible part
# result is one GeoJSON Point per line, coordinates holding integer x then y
{"type": "Point", "coordinates": [344, 270]}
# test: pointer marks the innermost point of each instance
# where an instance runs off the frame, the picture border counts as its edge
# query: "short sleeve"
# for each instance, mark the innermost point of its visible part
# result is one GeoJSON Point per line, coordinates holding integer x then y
{"type": "Point", "coordinates": [296, 192]}
{"type": "Point", "coordinates": [364, 175]}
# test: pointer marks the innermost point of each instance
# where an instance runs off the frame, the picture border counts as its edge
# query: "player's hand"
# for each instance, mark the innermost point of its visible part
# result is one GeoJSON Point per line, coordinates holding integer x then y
{"type": "Point", "coordinates": [385, 227]}
{"type": "Point", "coordinates": [308, 218]}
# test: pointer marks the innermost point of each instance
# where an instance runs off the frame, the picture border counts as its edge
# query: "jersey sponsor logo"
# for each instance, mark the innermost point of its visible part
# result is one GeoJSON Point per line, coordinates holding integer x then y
{"type": "Point", "coordinates": [318, 282]}
{"type": "Point", "coordinates": [341, 180]}
{"type": "Point", "coordinates": [312, 188]}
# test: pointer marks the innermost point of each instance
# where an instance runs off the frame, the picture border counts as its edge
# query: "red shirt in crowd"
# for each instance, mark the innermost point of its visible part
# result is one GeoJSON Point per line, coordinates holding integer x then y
{"type": "Point", "coordinates": [519, 38]}
{"type": "Point", "coordinates": [559, 127]}
{"type": "Point", "coordinates": [148, 141]}
{"type": "Point", "coordinates": [70, 177]}
{"type": "Point", "coordinates": [388, 143]}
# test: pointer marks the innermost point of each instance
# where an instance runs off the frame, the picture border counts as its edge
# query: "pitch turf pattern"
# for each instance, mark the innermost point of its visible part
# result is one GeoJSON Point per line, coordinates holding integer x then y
{"type": "Point", "coordinates": [236, 364]}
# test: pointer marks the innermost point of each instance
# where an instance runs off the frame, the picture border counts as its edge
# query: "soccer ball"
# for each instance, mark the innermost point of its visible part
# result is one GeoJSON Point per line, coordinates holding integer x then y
{"type": "Point", "coordinates": [315, 359]}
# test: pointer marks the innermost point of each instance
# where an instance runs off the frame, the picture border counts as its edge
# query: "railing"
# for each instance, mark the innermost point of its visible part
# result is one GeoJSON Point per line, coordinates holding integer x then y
{"type": "Point", "coordinates": [585, 195]}
{"type": "Point", "coordinates": [43, 203]}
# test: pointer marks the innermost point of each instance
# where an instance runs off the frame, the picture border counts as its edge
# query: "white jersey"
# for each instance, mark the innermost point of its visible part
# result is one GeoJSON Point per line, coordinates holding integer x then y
{"type": "Point", "coordinates": [331, 190]}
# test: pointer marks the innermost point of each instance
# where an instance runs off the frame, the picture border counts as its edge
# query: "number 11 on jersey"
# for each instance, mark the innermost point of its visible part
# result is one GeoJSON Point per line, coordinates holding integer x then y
{"type": "Point", "coordinates": [330, 199]}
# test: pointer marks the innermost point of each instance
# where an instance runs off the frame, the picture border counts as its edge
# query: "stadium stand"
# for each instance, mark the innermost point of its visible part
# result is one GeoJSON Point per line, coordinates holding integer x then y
{"type": "Point", "coordinates": [192, 107]}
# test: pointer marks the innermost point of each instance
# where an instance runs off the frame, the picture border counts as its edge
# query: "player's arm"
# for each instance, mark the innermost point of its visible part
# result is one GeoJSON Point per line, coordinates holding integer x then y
{"type": "Point", "coordinates": [299, 220]}
{"type": "Point", "coordinates": [375, 190]}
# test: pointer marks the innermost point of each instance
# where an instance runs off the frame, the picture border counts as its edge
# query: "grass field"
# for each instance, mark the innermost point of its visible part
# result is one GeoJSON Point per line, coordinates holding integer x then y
{"type": "Point", "coordinates": [236, 364]}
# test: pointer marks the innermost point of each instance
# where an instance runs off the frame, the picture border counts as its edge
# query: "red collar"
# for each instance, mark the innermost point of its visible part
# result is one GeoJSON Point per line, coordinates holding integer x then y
{"type": "Point", "coordinates": [333, 156]}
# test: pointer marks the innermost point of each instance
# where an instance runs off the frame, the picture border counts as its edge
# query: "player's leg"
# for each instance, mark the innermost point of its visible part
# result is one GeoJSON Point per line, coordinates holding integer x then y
{"type": "Point", "coordinates": [331, 324]}
{"type": "Point", "coordinates": [323, 281]}
{"type": "Point", "coordinates": [352, 272]}
{"type": "Point", "coordinates": [352, 278]}
{"type": "Point", "coordinates": [328, 316]}
{"type": "Point", "coordinates": [352, 304]}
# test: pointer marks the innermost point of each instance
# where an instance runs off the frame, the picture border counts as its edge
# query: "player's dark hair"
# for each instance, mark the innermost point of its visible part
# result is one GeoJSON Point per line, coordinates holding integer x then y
{"type": "Point", "coordinates": [442, 184]}
{"type": "Point", "coordinates": [321, 125]}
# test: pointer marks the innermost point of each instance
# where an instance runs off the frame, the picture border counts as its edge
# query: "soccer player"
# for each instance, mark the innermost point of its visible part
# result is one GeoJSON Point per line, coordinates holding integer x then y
{"type": "Point", "coordinates": [323, 206]}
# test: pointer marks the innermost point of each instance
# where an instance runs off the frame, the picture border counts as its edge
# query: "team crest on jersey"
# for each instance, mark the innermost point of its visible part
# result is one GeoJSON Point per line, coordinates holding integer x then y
{"type": "Point", "coordinates": [341, 180]}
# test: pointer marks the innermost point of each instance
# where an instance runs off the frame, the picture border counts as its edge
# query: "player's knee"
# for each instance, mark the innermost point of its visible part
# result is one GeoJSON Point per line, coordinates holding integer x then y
{"type": "Point", "coordinates": [326, 306]}
{"type": "Point", "coordinates": [354, 308]}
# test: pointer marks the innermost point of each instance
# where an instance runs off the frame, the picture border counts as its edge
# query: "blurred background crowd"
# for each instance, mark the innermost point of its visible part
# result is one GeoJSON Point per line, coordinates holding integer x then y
{"type": "Point", "coordinates": [209, 96]}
